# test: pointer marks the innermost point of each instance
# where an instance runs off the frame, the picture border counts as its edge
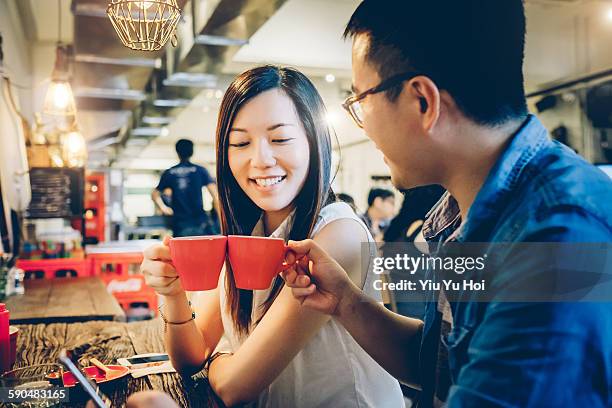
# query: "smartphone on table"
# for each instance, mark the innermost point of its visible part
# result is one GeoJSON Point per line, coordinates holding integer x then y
{"type": "Point", "coordinates": [144, 360]}
{"type": "Point", "coordinates": [99, 399]}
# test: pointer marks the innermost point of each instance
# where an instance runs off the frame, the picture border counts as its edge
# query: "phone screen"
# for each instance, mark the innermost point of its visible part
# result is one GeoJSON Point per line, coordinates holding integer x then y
{"type": "Point", "coordinates": [150, 359]}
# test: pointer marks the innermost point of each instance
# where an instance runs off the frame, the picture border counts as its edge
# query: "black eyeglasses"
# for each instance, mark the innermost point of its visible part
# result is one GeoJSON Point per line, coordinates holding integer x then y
{"type": "Point", "coordinates": [353, 106]}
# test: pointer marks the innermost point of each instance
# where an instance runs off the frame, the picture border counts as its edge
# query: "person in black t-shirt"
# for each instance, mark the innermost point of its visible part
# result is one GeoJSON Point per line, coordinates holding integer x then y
{"type": "Point", "coordinates": [186, 181]}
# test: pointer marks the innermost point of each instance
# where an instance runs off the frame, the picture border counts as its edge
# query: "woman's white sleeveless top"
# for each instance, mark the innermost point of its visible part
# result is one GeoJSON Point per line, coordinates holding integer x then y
{"type": "Point", "coordinates": [332, 370]}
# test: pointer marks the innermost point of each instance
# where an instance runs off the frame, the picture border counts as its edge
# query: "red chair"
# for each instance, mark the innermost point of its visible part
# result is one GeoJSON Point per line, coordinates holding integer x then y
{"type": "Point", "coordinates": [131, 289]}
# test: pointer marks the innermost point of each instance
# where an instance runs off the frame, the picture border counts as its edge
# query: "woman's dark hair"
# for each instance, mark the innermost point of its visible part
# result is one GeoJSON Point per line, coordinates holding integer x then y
{"type": "Point", "coordinates": [238, 213]}
{"type": "Point", "coordinates": [473, 49]}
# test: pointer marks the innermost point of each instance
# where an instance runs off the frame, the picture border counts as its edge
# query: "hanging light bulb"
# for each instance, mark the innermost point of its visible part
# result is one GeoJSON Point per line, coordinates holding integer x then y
{"type": "Point", "coordinates": [144, 25]}
{"type": "Point", "coordinates": [59, 100]}
{"type": "Point", "coordinates": [61, 94]}
{"type": "Point", "coordinates": [74, 142]}
{"type": "Point", "coordinates": [74, 149]}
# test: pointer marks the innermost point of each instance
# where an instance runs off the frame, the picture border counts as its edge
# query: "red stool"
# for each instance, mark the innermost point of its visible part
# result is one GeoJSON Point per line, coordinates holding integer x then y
{"type": "Point", "coordinates": [130, 289]}
{"type": "Point", "coordinates": [127, 300]}
{"type": "Point", "coordinates": [119, 261]}
{"type": "Point", "coordinates": [54, 268]}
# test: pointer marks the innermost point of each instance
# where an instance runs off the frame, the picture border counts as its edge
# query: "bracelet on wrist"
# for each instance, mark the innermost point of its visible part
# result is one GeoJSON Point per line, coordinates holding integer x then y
{"type": "Point", "coordinates": [167, 322]}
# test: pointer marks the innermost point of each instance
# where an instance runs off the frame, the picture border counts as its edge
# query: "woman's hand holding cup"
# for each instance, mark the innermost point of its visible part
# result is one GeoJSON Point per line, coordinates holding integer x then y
{"type": "Point", "coordinates": [159, 272]}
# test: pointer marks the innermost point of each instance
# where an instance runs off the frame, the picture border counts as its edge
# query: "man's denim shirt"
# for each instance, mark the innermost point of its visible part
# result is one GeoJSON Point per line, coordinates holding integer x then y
{"type": "Point", "coordinates": [541, 354]}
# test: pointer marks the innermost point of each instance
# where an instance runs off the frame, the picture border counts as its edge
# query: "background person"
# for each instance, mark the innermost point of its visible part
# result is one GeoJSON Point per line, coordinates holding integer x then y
{"type": "Point", "coordinates": [186, 180]}
{"type": "Point", "coordinates": [347, 198]}
{"type": "Point", "coordinates": [381, 207]}
{"type": "Point", "coordinates": [404, 229]}
{"type": "Point", "coordinates": [407, 224]}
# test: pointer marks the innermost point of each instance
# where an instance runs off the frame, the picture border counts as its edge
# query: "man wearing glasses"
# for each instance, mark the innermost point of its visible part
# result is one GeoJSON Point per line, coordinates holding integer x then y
{"type": "Point", "coordinates": [439, 89]}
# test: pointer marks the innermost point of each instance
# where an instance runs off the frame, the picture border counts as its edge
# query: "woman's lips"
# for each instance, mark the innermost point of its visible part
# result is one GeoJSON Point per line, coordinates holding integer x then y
{"type": "Point", "coordinates": [268, 187]}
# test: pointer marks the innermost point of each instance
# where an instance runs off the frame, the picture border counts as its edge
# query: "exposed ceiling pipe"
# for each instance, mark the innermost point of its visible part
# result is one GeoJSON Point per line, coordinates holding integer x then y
{"type": "Point", "coordinates": [130, 62]}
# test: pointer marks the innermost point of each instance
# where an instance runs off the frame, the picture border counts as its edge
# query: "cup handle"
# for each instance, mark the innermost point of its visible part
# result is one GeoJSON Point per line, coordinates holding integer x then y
{"type": "Point", "coordinates": [284, 262]}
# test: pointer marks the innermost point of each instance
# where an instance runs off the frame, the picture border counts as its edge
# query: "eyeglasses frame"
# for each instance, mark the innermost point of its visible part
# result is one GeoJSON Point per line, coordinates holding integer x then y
{"type": "Point", "coordinates": [382, 86]}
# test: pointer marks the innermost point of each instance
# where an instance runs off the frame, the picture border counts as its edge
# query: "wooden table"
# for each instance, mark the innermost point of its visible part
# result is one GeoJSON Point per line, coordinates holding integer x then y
{"type": "Point", "coordinates": [107, 341]}
{"type": "Point", "coordinates": [64, 300]}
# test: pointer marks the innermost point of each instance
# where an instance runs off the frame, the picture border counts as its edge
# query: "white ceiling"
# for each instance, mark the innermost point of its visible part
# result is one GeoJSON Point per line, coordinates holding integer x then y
{"type": "Point", "coordinates": [304, 33]}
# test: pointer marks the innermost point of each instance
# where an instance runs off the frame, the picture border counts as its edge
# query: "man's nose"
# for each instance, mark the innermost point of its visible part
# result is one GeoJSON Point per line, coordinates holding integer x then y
{"type": "Point", "coordinates": [263, 155]}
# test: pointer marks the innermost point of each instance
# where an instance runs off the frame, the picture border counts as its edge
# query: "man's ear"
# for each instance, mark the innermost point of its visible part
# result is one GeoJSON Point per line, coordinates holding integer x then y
{"type": "Point", "coordinates": [425, 91]}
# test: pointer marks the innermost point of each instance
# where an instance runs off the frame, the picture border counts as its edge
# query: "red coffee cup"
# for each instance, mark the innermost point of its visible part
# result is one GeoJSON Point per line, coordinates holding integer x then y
{"type": "Point", "coordinates": [198, 260]}
{"type": "Point", "coordinates": [255, 260]}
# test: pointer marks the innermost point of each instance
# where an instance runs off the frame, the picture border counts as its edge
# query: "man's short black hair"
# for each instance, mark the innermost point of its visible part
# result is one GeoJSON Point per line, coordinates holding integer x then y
{"type": "Point", "coordinates": [378, 192]}
{"type": "Point", "coordinates": [473, 49]}
{"type": "Point", "coordinates": [184, 149]}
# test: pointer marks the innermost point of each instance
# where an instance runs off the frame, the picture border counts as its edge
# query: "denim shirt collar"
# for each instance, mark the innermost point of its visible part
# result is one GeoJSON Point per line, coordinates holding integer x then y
{"type": "Point", "coordinates": [443, 220]}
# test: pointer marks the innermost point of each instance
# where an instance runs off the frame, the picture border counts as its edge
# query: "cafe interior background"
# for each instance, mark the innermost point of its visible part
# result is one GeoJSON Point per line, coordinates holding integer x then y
{"type": "Point", "coordinates": [92, 165]}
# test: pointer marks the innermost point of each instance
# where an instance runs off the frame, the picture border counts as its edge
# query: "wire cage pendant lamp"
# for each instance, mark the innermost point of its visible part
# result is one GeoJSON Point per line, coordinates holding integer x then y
{"type": "Point", "coordinates": [144, 25]}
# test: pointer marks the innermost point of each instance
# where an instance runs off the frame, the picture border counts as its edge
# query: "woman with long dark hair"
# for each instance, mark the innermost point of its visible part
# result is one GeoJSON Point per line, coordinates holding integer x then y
{"type": "Point", "coordinates": [274, 179]}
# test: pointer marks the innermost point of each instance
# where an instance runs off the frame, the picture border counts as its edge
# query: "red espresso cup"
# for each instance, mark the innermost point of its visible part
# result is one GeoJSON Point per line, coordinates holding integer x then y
{"type": "Point", "coordinates": [198, 260]}
{"type": "Point", "coordinates": [255, 260]}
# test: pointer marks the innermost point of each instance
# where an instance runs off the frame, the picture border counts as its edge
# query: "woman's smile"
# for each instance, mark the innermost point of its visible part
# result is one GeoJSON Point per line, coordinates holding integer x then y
{"type": "Point", "coordinates": [267, 183]}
